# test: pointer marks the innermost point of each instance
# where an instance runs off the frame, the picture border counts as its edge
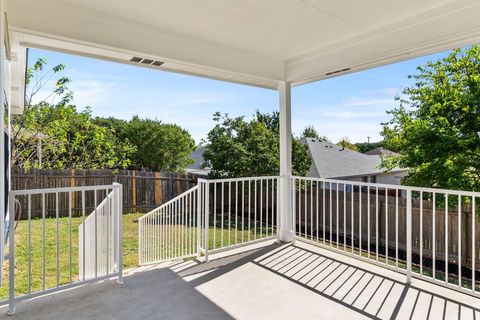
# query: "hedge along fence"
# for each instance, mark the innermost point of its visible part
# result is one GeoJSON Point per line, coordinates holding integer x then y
{"type": "Point", "coordinates": [142, 191]}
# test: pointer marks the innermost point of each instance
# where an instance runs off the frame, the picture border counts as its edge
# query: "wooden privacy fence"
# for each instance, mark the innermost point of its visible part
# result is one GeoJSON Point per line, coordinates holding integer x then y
{"type": "Point", "coordinates": [335, 210]}
{"type": "Point", "coordinates": [142, 191]}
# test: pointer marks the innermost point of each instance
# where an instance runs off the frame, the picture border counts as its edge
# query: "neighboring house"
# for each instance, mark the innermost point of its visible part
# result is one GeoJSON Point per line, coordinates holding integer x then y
{"type": "Point", "coordinates": [196, 167]}
{"type": "Point", "coordinates": [335, 162]}
{"type": "Point", "coordinates": [381, 152]}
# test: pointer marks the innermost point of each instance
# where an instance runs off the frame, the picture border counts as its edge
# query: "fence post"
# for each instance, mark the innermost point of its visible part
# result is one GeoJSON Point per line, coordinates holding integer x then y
{"type": "Point", "coordinates": [158, 189]}
{"type": "Point", "coordinates": [11, 256]}
{"type": "Point", "coordinates": [119, 219]}
{"type": "Point", "coordinates": [207, 214]}
{"type": "Point", "coordinates": [134, 191]}
{"type": "Point", "coordinates": [179, 185]}
{"type": "Point", "coordinates": [409, 236]}
{"type": "Point", "coordinates": [73, 173]}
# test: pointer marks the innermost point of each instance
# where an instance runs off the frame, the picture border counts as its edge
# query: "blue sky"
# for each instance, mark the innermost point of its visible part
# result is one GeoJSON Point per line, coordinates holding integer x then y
{"type": "Point", "coordinates": [352, 106]}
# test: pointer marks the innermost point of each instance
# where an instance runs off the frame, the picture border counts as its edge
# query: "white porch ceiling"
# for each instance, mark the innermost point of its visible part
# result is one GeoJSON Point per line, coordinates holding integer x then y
{"type": "Point", "coordinates": [249, 41]}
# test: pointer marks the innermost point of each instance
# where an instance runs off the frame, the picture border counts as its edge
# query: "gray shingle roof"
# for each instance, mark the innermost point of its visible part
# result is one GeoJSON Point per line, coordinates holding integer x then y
{"type": "Point", "coordinates": [197, 157]}
{"type": "Point", "coordinates": [381, 152]}
{"type": "Point", "coordinates": [332, 161]}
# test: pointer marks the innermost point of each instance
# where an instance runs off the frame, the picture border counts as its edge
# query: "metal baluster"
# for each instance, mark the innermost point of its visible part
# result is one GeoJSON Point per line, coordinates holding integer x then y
{"type": "Point", "coordinates": [236, 211]}
{"type": "Point", "coordinates": [352, 221]}
{"type": "Point", "coordinates": [273, 200]}
{"type": "Point", "coordinates": [222, 211]}
{"type": "Point", "coordinates": [409, 236]}
{"type": "Point", "coordinates": [249, 207]}
{"type": "Point", "coordinates": [261, 207]}
{"type": "Point", "coordinates": [83, 231]}
{"type": "Point", "coordinates": [331, 215]}
{"type": "Point", "coordinates": [255, 212]}
{"type": "Point", "coordinates": [44, 249]}
{"type": "Point", "coordinates": [386, 226]}
{"type": "Point", "coordinates": [305, 210]}
{"type": "Point", "coordinates": [421, 233]}
{"type": "Point", "coordinates": [360, 219]}
{"type": "Point", "coordinates": [29, 243]}
{"type": "Point", "coordinates": [323, 209]}
{"type": "Point", "coordinates": [214, 215]}
{"type": "Point", "coordinates": [316, 208]}
{"type": "Point", "coordinates": [376, 223]}
{"type": "Point", "coordinates": [243, 211]}
{"type": "Point", "coordinates": [368, 221]}
{"type": "Point", "coordinates": [95, 215]}
{"type": "Point", "coordinates": [446, 238]}
{"type": "Point", "coordinates": [396, 228]}
{"type": "Point", "coordinates": [267, 211]}
{"type": "Point", "coordinates": [473, 244]}
{"type": "Point", "coordinates": [459, 233]}
{"type": "Point", "coordinates": [57, 252]}
{"type": "Point", "coordinates": [434, 231]}
{"type": "Point", "coordinates": [337, 214]}
{"type": "Point", "coordinates": [344, 217]}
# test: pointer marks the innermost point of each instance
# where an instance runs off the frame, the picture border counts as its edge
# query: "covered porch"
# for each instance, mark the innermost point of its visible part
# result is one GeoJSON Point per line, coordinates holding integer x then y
{"type": "Point", "coordinates": [333, 258]}
{"type": "Point", "coordinates": [260, 281]}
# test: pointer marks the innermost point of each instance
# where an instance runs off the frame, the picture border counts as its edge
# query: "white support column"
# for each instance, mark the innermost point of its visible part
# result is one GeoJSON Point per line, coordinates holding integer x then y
{"type": "Point", "coordinates": [2, 133]}
{"type": "Point", "coordinates": [285, 228]}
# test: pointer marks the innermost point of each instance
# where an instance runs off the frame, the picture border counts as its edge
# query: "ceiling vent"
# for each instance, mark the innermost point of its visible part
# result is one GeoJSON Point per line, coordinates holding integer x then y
{"type": "Point", "coordinates": [147, 61]}
{"type": "Point", "coordinates": [136, 59]}
{"type": "Point", "coordinates": [150, 62]}
{"type": "Point", "coordinates": [337, 71]}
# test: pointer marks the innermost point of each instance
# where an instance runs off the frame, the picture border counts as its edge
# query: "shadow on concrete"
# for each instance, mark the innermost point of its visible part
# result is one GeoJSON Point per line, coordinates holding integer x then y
{"type": "Point", "coordinates": [162, 293]}
{"type": "Point", "coordinates": [153, 294]}
{"type": "Point", "coordinates": [371, 294]}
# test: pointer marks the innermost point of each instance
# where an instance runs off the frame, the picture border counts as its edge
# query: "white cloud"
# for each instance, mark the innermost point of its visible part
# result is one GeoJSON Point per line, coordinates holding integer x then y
{"type": "Point", "coordinates": [390, 91]}
{"type": "Point", "coordinates": [361, 101]}
{"type": "Point", "coordinates": [90, 93]}
{"type": "Point", "coordinates": [351, 114]}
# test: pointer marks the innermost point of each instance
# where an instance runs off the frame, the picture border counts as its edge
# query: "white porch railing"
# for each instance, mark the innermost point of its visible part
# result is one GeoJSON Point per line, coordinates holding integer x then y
{"type": "Point", "coordinates": [46, 256]}
{"type": "Point", "coordinates": [431, 234]}
{"type": "Point", "coordinates": [170, 231]}
{"type": "Point", "coordinates": [96, 239]}
{"type": "Point", "coordinates": [426, 233]}
{"type": "Point", "coordinates": [238, 212]}
{"type": "Point", "coordinates": [215, 215]}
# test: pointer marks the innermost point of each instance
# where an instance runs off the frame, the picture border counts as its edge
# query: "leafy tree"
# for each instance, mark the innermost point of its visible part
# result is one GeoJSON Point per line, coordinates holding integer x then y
{"type": "Point", "coordinates": [311, 132]}
{"type": "Point", "coordinates": [239, 148]}
{"type": "Point", "coordinates": [159, 146]}
{"type": "Point", "coordinates": [367, 146]}
{"type": "Point", "coordinates": [117, 126]}
{"type": "Point", "coordinates": [51, 133]}
{"type": "Point", "coordinates": [436, 126]}
{"type": "Point", "coordinates": [345, 143]}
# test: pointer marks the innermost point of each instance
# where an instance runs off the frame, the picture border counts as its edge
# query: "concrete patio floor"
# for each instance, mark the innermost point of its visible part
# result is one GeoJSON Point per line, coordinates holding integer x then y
{"type": "Point", "coordinates": [262, 281]}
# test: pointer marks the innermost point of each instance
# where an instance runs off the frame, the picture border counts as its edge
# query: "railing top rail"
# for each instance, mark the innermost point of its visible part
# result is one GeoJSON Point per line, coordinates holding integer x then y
{"type": "Point", "coordinates": [239, 179]}
{"type": "Point", "coordinates": [64, 189]}
{"type": "Point", "coordinates": [394, 187]}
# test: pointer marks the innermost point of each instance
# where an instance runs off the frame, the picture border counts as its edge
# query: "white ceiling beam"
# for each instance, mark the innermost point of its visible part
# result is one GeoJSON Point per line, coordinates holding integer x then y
{"type": "Point", "coordinates": [65, 25]}
{"type": "Point", "coordinates": [82, 27]}
{"type": "Point", "coordinates": [441, 29]}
